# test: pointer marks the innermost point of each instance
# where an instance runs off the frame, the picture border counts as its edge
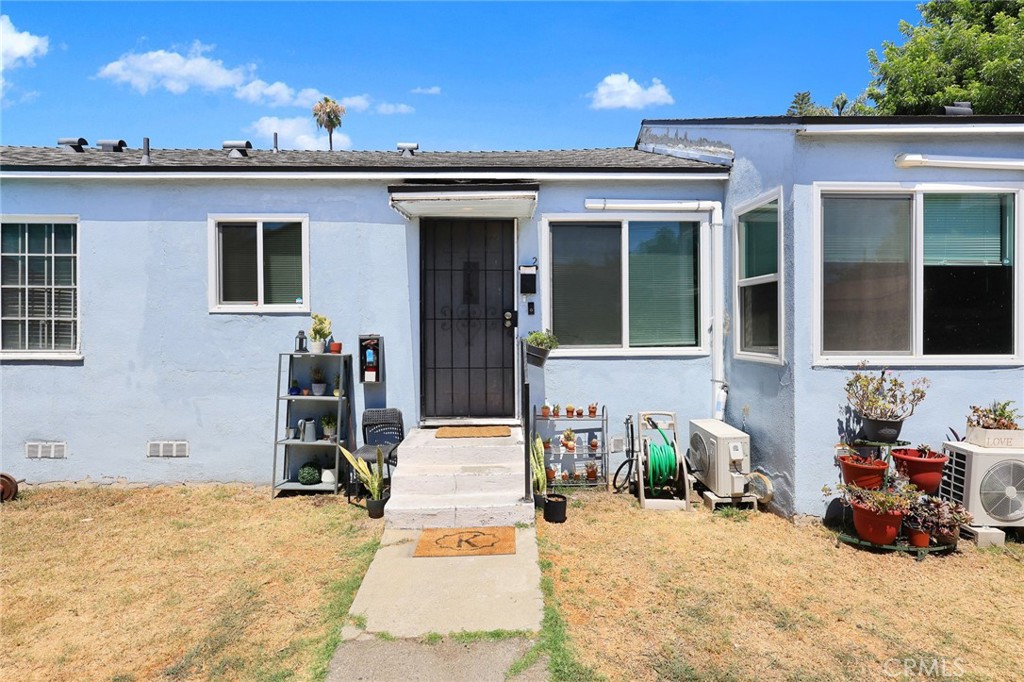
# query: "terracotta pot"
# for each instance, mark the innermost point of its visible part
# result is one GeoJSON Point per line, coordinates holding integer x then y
{"type": "Point", "coordinates": [867, 476]}
{"type": "Point", "coordinates": [550, 473]}
{"type": "Point", "coordinates": [591, 475]}
{"type": "Point", "coordinates": [335, 347]}
{"type": "Point", "coordinates": [880, 430]}
{"type": "Point", "coordinates": [593, 411]}
{"type": "Point", "coordinates": [918, 538]}
{"type": "Point", "coordinates": [925, 473]}
{"type": "Point", "coordinates": [878, 529]}
{"type": "Point", "coordinates": [545, 412]}
{"type": "Point", "coordinates": [579, 411]}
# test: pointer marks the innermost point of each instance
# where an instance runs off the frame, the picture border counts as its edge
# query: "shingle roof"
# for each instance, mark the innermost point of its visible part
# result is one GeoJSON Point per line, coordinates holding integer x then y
{"type": "Point", "coordinates": [619, 159]}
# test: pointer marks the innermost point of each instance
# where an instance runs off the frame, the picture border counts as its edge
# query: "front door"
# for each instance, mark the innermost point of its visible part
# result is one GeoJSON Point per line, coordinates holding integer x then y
{"type": "Point", "coordinates": [468, 343]}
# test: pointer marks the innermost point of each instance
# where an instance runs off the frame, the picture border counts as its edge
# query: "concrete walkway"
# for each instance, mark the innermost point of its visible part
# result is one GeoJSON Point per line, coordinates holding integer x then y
{"type": "Point", "coordinates": [408, 597]}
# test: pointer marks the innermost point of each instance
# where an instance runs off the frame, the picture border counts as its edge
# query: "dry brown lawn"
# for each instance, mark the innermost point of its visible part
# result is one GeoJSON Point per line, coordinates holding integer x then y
{"type": "Point", "coordinates": [176, 583]}
{"type": "Point", "coordinates": [697, 596]}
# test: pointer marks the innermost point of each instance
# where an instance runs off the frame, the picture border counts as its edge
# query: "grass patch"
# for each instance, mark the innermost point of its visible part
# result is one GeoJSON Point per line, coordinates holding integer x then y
{"type": "Point", "coordinates": [730, 513]}
{"type": "Point", "coordinates": [385, 636]}
{"type": "Point", "coordinates": [468, 637]}
{"type": "Point", "coordinates": [432, 638]}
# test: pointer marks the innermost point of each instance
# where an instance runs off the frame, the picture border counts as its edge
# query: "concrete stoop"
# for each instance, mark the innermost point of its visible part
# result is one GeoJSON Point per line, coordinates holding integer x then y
{"type": "Point", "coordinates": [458, 482]}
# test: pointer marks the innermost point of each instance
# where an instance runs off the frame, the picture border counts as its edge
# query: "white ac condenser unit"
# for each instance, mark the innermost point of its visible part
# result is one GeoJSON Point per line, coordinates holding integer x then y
{"type": "Point", "coordinates": [720, 455]}
{"type": "Point", "coordinates": [989, 482]}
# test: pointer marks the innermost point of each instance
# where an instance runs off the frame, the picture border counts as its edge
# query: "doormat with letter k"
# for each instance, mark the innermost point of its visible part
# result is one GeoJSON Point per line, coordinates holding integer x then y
{"type": "Point", "coordinates": [436, 542]}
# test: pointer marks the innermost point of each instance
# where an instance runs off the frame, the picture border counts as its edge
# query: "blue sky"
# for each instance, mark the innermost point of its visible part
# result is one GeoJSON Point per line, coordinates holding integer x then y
{"type": "Point", "coordinates": [450, 76]}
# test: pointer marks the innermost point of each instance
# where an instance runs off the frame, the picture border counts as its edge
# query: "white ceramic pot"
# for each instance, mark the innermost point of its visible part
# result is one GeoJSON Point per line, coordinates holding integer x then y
{"type": "Point", "coordinates": [328, 476]}
{"type": "Point", "coordinates": [317, 346]}
{"type": "Point", "coordinates": [319, 389]}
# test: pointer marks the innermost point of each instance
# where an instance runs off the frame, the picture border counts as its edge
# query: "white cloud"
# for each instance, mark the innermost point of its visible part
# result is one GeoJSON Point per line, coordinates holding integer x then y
{"type": "Point", "coordinates": [18, 48]}
{"type": "Point", "coordinates": [297, 133]}
{"type": "Point", "coordinates": [386, 109]}
{"type": "Point", "coordinates": [276, 94]}
{"type": "Point", "coordinates": [356, 102]}
{"type": "Point", "coordinates": [432, 90]}
{"type": "Point", "coordinates": [173, 71]}
{"type": "Point", "coordinates": [619, 91]}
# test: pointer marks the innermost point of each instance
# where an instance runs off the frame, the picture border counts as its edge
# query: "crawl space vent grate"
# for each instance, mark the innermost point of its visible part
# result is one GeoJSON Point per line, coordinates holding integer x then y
{"type": "Point", "coordinates": [167, 448]}
{"type": "Point", "coordinates": [46, 449]}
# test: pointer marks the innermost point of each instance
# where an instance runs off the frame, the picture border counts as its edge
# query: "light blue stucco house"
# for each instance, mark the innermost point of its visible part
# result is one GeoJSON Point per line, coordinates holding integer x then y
{"type": "Point", "coordinates": [147, 293]}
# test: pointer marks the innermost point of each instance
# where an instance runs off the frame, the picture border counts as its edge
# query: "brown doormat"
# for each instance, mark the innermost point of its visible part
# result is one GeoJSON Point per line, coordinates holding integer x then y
{"type": "Point", "coordinates": [466, 541]}
{"type": "Point", "coordinates": [473, 432]}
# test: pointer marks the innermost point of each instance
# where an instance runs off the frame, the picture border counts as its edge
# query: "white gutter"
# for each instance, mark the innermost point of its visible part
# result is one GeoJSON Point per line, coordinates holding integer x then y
{"type": "Point", "coordinates": [719, 386]}
{"type": "Point", "coordinates": [1009, 129]}
{"type": "Point", "coordinates": [975, 162]}
{"type": "Point", "coordinates": [334, 176]}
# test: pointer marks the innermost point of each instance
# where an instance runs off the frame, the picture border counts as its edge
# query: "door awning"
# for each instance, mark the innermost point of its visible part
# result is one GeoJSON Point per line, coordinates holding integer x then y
{"type": "Point", "coordinates": [477, 201]}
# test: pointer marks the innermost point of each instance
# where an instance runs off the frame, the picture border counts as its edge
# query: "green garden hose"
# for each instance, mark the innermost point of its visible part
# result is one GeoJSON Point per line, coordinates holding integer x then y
{"type": "Point", "coordinates": [661, 461]}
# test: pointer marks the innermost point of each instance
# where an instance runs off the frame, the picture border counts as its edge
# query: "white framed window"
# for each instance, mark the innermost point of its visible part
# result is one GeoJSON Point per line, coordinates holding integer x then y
{"type": "Point", "coordinates": [917, 273]}
{"type": "Point", "coordinates": [258, 263]}
{"type": "Point", "coordinates": [626, 284]}
{"type": "Point", "coordinates": [39, 312]}
{"type": "Point", "coordinates": [758, 279]}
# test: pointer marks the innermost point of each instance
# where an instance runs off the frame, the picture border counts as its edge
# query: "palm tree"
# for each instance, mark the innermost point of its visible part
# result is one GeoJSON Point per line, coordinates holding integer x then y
{"type": "Point", "coordinates": [328, 115]}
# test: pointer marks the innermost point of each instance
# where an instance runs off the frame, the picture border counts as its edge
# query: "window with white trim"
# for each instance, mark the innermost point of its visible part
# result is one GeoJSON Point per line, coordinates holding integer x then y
{"type": "Point", "coordinates": [39, 287]}
{"type": "Point", "coordinates": [924, 273]}
{"type": "Point", "coordinates": [626, 284]}
{"type": "Point", "coordinates": [259, 264]}
{"type": "Point", "coordinates": [757, 280]}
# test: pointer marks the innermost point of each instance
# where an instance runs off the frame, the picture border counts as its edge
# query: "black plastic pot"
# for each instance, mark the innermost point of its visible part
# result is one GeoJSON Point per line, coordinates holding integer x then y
{"type": "Point", "coordinates": [376, 507]}
{"type": "Point", "coordinates": [880, 430]}
{"type": "Point", "coordinates": [536, 356]}
{"type": "Point", "coordinates": [554, 508]}
{"type": "Point", "coordinates": [538, 501]}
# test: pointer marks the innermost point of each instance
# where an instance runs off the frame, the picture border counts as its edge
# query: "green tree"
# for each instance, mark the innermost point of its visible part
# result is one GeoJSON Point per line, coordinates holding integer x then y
{"type": "Point", "coordinates": [328, 115]}
{"type": "Point", "coordinates": [803, 105]}
{"type": "Point", "coordinates": [960, 51]}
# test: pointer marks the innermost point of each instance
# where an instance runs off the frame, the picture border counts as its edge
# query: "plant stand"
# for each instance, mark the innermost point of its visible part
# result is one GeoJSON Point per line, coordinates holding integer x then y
{"type": "Point", "coordinates": [848, 535]}
{"type": "Point", "coordinates": [587, 426]}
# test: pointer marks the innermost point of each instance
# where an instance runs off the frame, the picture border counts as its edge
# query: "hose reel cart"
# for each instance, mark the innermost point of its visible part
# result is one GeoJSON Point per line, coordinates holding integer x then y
{"type": "Point", "coordinates": [661, 478]}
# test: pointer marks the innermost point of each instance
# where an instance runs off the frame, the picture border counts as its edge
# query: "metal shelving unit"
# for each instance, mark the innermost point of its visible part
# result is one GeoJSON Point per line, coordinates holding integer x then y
{"type": "Point", "coordinates": [291, 453]}
{"type": "Point", "coordinates": [589, 427]}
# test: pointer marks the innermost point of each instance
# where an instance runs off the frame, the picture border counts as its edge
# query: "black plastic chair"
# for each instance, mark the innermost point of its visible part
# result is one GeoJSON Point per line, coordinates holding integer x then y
{"type": "Point", "coordinates": [386, 428]}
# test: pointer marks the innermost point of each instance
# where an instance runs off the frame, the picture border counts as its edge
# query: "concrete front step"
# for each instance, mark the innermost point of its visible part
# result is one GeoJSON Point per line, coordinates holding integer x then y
{"type": "Point", "coordinates": [458, 483]}
{"type": "Point", "coordinates": [449, 512]}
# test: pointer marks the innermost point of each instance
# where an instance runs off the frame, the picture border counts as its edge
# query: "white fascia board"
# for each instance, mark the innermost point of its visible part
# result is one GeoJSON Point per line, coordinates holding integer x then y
{"type": "Point", "coordinates": [1009, 129]}
{"type": "Point", "coordinates": [968, 162]}
{"type": "Point", "coordinates": [386, 177]}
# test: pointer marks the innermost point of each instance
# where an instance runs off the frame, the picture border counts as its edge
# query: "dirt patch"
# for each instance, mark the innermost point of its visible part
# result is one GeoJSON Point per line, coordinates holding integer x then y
{"type": "Point", "coordinates": [181, 583]}
{"type": "Point", "coordinates": [695, 596]}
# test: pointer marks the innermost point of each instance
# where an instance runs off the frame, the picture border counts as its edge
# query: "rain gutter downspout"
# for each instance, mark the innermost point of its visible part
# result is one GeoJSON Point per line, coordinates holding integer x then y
{"type": "Point", "coordinates": [719, 386]}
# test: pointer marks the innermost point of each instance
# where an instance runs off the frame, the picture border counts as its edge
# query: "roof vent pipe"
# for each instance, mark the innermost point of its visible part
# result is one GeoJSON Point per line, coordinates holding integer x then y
{"type": "Point", "coordinates": [958, 109]}
{"type": "Point", "coordinates": [145, 152]}
{"type": "Point", "coordinates": [408, 148]}
{"type": "Point", "coordinates": [275, 143]}
{"type": "Point", "coordinates": [112, 145]}
{"type": "Point", "coordinates": [239, 148]}
{"type": "Point", "coordinates": [73, 144]}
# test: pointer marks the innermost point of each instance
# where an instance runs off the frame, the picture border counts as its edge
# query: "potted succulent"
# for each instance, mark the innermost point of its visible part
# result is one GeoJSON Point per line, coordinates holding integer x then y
{"type": "Point", "coordinates": [878, 514]}
{"type": "Point", "coordinates": [539, 474]}
{"type": "Point", "coordinates": [545, 410]}
{"type": "Point", "coordinates": [547, 444]}
{"type": "Point", "coordinates": [995, 426]}
{"type": "Point", "coordinates": [591, 471]}
{"type": "Point", "coordinates": [883, 402]}
{"type": "Point", "coordinates": [863, 471]}
{"type": "Point", "coordinates": [372, 478]}
{"type": "Point", "coordinates": [319, 333]}
{"type": "Point", "coordinates": [294, 389]}
{"type": "Point", "coordinates": [594, 444]}
{"type": "Point", "coordinates": [570, 410]}
{"type": "Point", "coordinates": [922, 465]}
{"type": "Point", "coordinates": [330, 425]}
{"type": "Point", "coordinates": [551, 473]}
{"type": "Point", "coordinates": [539, 345]}
{"type": "Point", "coordinates": [569, 440]}
{"type": "Point", "coordinates": [930, 517]}
{"type": "Point", "coordinates": [579, 411]}
{"type": "Point", "coordinates": [316, 378]}
{"type": "Point", "coordinates": [592, 409]}
{"type": "Point", "coordinates": [556, 410]}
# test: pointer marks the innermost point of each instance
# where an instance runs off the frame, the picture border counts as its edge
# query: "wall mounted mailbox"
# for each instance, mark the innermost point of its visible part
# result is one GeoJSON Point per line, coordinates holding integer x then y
{"type": "Point", "coordinates": [371, 359]}
{"type": "Point", "coordinates": [527, 279]}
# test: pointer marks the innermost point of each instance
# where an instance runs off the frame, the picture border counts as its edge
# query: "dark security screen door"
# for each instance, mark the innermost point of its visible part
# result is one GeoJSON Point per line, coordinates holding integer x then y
{"type": "Point", "coordinates": [467, 287]}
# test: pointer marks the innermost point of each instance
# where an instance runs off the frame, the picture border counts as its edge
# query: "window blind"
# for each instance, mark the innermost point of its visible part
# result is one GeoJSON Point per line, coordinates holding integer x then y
{"type": "Point", "coordinates": [586, 283]}
{"type": "Point", "coordinates": [866, 229]}
{"type": "Point", "coordinates": [282, 263]}
{"type": "Point", "coordinates": [663, 284]}
{"type": "Point", "coordinates": [968, 229]}
{"type": "Point", "coordinates": [238, 283]}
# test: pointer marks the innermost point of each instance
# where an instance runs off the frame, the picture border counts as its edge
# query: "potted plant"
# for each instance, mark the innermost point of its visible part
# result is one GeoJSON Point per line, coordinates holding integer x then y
{"type": "Point", "coordinates": [547, 444]}
{"type": "Point", "coordinates": [591, 468]}
{"type": "Point", "coordinates": [539, 474]}
{"type": "Point", "coordinates": [594, 444]}
{"type": "Point", "coordinates": [539, 345]}
{"type": "Point", "coordinates": [551, 473]}
{"type": "Point", "coordinates": [930, 517]}
{"type": "Point", "coordinates": [995, 426]}
{"type": "Point", "coordinates": [319, 333]}
{"type": "Point", "coordinates": [922, 465]}
{"type": "Point", "coordinates": [864, 471]}
{"type": "Point", "coordinates": [579, 412]}
{"type": "Point", "coordinates": [556, 410]}
{"type": "Point", "coordinates": [294, 389]}
{"type": "Point", "coordinates": [569, 440]}
{"type": "Point", "coordinates": [372, 478]}
{"type": "Point", "coordinates": [545, 410]}
{"type": "Point", "coordinates": [592, 409]}
{"type": "Point", "coordinates": [570, 410]}
{"type": "Point", "coordinates": [316, 377]}
{"type": "Point", "coordinates": [335, 347]}
{"type": "Point", "coordinates": [883, 402]}
{"type": "Point", "coordinates": [878, 514]}
{"type": "Point", "coordinates": [329, 423]}
{"type": "Point", "coordinates": [309, 473]}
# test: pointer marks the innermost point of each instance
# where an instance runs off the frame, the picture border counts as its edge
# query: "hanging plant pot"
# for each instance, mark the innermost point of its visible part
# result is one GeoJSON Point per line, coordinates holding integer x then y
{"type": "Point", "coordinates": [878, 529]}
{"type": "Point", "coordinates": [376, 507]}
{"type": "Point", "coordinates": [918, 538]}
{"type": "Point", "coordinates": [924, 472]}
{"type": "Point", "coordinates": [880, 430]}
{"type": "Point", "coordinates": [554, 508]}
{"type": "Point", "coordinates": [536, 356]}
{"type": "Point", "coordinates": [868, 475]}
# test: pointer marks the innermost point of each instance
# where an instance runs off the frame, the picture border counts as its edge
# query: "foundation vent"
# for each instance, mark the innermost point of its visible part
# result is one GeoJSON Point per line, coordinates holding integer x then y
{"type": "Point", "coordinates": [54, 449]}
{"type": "Point", "coordinates": [167, 448]}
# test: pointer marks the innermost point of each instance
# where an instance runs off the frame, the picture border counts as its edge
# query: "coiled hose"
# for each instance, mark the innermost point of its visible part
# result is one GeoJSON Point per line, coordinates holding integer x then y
{"type": "Point", "coordinates": [661, 461]}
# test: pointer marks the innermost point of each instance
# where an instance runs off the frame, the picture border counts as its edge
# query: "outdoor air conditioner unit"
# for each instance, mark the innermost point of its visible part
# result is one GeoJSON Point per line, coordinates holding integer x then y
{"type": "Point", "coordinates": [720, 455]}
{"type": "Point", "coordinates": [989, 482]}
